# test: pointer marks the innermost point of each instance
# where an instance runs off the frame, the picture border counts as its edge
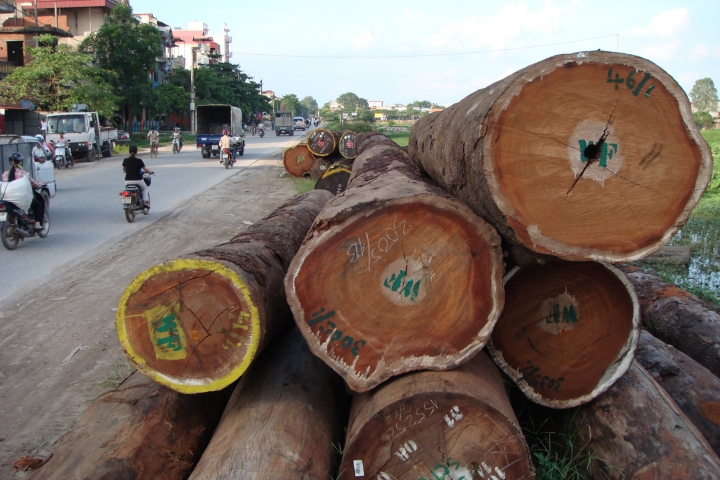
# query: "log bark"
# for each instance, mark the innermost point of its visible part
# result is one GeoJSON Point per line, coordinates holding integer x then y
{"type": "Point", "coordinates": [455, 424]}
{"type": "Point", "coordinates": [693, 387]}
{"type": "Point", "coordinates": [282, 421]}
{"type": "Point", "coordinates": [298, 160]}
{"type": "Point", "coordinates": [553, 158]}
{"type": "Point", "coordinates": [195, 323]}
{"type": "Point", "coordinates": [636, 431]}
{"type": "Point", "coordinates": [568, 331]}
{"type": "Point", "coordinates": [320, 167]}
{"type": "Point", "coordinates": [347, 145]}
{"type": "Point", "coordinates": [141, 430]}
{"type": "Point", "coordinates": [395, 275]}
{"type": "Point", "coordinates": [323, 142]}
{"type": "Point", "coordinates": [336, 178]}
{"type": "Point", "coordinates": [676, 317]}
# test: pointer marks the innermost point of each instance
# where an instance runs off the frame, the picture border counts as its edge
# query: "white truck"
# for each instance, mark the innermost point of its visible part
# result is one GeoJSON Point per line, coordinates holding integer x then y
{"type": "Point", "coordinates": [83, 134]}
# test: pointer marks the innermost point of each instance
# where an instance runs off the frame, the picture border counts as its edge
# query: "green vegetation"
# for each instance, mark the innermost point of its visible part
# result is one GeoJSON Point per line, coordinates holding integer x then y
{"type": "Point", "coordinates": [304, 185]}
{"type": "Point", "coordinates": [704, 95]}
{"type": "Point", "coordinates": [702, 234]}
{"type": "Point", "coordinates": [703, 120]}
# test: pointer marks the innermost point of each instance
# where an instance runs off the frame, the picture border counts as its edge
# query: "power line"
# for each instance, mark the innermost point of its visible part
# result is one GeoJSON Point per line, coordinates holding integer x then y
{"type": "Point", "coordinates": [421, 55]}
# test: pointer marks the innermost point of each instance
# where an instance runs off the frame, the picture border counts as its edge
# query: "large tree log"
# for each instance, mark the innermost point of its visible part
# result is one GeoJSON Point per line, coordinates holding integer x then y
{"type": "Point", "coordinates": [567, 332]}
{"type": "Point", "coordinates": [298, 160]}
{"type": "Point", "coordinates": [455, 424]}
{"type": "Point", "coordinates": [585, 156]}
{"type": "Point", "coordinates": [336, 178]}
{"type": "Point", "coordinates": [283, 420]}
{"type": "Point", "coordinates": [322, 142]}
{"type": "Point", "coordinates": [195, 324]}
{"type": "Point", "coordinates": [636, 431]}
{"type": "Point", "coordinates": [395, 274]}
{"type": "Point", "coordinates": [347, 145]}
{"type": "Point", "coordinates": [676, 317]}
{"type": "Point", "coordinates": [693, 387]}
{"type": "Point", "coordinates": [141, 430]}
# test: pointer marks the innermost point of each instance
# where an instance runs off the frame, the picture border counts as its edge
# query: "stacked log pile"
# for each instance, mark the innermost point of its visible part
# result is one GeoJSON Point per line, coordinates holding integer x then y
{"type": "Point", "coordinates": [396, 284]}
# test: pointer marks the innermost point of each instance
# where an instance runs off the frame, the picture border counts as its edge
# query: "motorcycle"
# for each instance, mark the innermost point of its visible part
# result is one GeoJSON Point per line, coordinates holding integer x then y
{"type": "Point", "coordinates": [132, 201]}
{"type": "Point", "coordinates": [176, 145]}
{"type": "Point", "coordinates": [17, 224]}
{"type": "Point", "coordinates": [61, 159]}
{"type": "Point", "coordinates": [226, 158]}
{"type": "Point", "coordinates": [262, 132]}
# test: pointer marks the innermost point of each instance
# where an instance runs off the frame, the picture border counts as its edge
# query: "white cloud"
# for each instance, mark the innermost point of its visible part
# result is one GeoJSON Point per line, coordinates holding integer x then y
{"type": "Point", "coordinates": [497, 31]}
{"type": "Point", "coordinates": [666, 24]}
{"type": "Point", "coordinates": [662, 52]}
{"type": "Point", "coordinates": [698, 52]}
{"type": "Point", "coordinates": [364, 41]}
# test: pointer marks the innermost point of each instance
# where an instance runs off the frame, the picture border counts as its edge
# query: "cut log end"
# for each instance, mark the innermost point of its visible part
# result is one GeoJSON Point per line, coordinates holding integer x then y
{"type": "Point", "coordinates": [570, 139]}
{"type": "Point", "coordinates": [298, 160]}
{"type": "Point", "coordinates": [568, 331]}
{"type": "Point", "coordinates": [347, 146]}
{"type": "Point", "coordinates": [322, 142]}
{"type": "Point", "coordinates": [362, 291]}
{"type": "Point", "coordinates": [159, 325]}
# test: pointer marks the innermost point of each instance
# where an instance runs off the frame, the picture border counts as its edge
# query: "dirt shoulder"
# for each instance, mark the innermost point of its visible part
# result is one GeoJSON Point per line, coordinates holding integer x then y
{"type": "Point", "coordinates": [44, 387]}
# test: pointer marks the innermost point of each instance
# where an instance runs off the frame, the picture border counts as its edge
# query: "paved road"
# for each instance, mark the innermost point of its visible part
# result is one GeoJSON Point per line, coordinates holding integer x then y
{"type": "Point", "coordinates": [86, 212]}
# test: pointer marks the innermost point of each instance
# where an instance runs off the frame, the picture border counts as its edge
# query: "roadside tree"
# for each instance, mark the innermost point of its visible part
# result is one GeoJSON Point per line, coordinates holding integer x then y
{"type": "Point", "coordinates": [704, 95]}
{"type": "Point", "coordinates": [129, 49]}
{"type": "Point", "coordinates": [703, 120]}
{"type": "Point", "coordinates": [290, 102]}
{"type": "Point", "coordinates": [351, 101]}
{"type": "Point", "coordinates": [310, 105]}
{"type": "Point", "coordinates": [57, 78]}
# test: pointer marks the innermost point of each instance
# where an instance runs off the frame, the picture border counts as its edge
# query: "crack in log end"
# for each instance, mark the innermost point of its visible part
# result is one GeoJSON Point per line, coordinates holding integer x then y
{"type": "Point", "coordinates": [570, 64]}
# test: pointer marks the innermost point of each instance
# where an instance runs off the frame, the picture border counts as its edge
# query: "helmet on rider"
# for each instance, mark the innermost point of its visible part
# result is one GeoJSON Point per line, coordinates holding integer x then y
{"type": "Point", "coordinates": [40, 138]}
{"type": "Point", "coordinates": [16, 158]}
{"type": "Point", "coordinates": [225, 132]}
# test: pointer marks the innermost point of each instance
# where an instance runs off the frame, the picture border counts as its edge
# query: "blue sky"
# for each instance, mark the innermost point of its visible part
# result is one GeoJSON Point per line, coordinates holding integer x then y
{"type": "Point", "coordinates": [420, 47]}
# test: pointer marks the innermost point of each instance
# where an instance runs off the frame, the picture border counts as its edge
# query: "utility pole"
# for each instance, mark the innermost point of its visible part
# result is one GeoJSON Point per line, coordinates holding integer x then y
{"type": "Point", "coordinates": [192, 91]}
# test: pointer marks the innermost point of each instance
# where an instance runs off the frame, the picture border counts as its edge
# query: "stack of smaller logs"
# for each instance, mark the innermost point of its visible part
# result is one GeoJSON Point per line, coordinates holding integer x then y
{"type": "Point", "coordinates": [635, 430]}
{"type": "Point", "coordinates": [568, 331]}
{"type": "Point", "coordinates": [335, 179]}
{"type": "Point", "coordinates": [455, 424]}
{"type": "Point", "coordinates": [195, 324]}
{"type": "Point", "coordinates": [693, 387]}
{"type": "Point", "coordinates": [553, 157]}
{"type": "Point", "coordinates": [320, 166]}
{"type": "Point", "coordinates": [282, 421]}
{"type": "Point", "coordinates": [323, 142]}
{"type": "Point", "coordinates": [676, 317]}
{"type": "Point", "coordinates": [140, 430]}
{"type": "Point", "coordinates": [396, 274]}
{"type": "Point", "coordinates": [298, 160]}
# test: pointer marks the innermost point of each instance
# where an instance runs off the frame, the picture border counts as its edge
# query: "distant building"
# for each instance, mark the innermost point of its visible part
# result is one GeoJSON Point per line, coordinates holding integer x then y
{"type": "Point", "coordinates": [373, 104]}
{"type": "Point", "coordinates": [195, 36]}
{"type": "Point", "coordinates": [398, 106]}
{"type": "Point", "coordinates": [335, 106]}
{"type": "Point", "coordinates": [165, 62]}
{"type": "Point", "coordinates": [225, 42]}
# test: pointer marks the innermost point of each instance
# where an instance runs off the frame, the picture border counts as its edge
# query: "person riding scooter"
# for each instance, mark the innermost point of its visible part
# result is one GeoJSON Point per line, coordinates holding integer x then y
{"type": "Point", "coordinates": [133, 168]}
{"type": "Point", "coordinates": [177, 134]}
{"type": "Point", "coordinates": [261, 129]}
{"type": "Point", "coordinates": [227, 142]}
{"type": "Point", "coordinates": [16, 172]}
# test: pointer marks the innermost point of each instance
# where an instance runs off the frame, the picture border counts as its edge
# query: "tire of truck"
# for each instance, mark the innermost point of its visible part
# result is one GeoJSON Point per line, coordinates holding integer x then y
{"type": "Point", "coordinates": [107, 150]}
{"type": "Point", "coordinates": [91, 154]}
{"type": "Point", "coordinates": [292, 132]}
{"type": "Point", "coordinates": [204, 154]}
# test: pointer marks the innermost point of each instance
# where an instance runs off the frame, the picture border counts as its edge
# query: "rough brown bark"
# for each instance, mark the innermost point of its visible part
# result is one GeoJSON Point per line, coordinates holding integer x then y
{"type": "Point", "coordinates": [298, 160]}
{"type": "Point", "coordinates": [323, 142]}
{"type": "Point", "coordinates": [636, 431]}
{"type": "Point", "coordinates": [283, 420]}
{"type": "Point", "coordinates": [335, 179]}
{"type": "Point", "coordinates": [553, 158]}
{"type": "Point", "coordinates": [320, 166]}
{"type": "Point", "coordinates": [195, 324]}
{"type": "Point", "coordinates": [676, 317]}
{"type": "Point", "coordinates": [455, 424]}
{"type": "Point", "coordinates": [693, 387]}
{"type": "Point", "coordinates": [139, 431]}
{"type": "Point", "coordinates": [568, 331]}
{"type": "Point", "coordinates": [395, 275]}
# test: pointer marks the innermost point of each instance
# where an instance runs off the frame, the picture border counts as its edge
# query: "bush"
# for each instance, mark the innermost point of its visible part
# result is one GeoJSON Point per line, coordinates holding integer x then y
{"type": "Point", "coordinates": [703, 120]}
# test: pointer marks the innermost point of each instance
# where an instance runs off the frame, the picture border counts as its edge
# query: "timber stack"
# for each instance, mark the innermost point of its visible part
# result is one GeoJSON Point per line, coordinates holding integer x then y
{"type": "Point", "coordinates": [397, 283]}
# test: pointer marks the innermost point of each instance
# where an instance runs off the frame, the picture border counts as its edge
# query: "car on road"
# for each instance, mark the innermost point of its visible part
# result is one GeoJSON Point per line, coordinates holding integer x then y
{"type": "Point", "coordinates": [299, 123]}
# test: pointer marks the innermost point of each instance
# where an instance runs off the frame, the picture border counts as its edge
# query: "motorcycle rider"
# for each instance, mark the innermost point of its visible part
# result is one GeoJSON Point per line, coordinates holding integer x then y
{"type": "Point", "coordinates": [177, 134]}
{"type": "Point", "coordinates": [227, 142]}
{"type": "Point", "coordinates": [63, 143]}
{"type": "Point", "coordinates": [133, 168]}
{"type": "Point", "coordinates": [48, 149]}
{"type": "Point", "coordinates": [153, 136]}
{"type": "Point", "coordinates": [16, 172]}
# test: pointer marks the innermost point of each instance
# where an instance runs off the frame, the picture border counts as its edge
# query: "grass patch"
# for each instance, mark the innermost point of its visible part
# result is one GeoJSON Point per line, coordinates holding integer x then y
{"type": "Point", "coordinates": [118, 374]}
{"type": "Point", "coordinates": [701, 233]}
{"type": "Point", "coordinates": [304, 185]}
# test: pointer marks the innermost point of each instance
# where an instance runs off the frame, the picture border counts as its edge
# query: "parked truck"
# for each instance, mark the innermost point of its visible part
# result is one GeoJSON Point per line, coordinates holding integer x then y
{"type": "Point", "coordinates": [284, 123]}
{"type": "Point", "coordinates": [211, 121]}
{"type": "Point", "coordinates": [83, 133]}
